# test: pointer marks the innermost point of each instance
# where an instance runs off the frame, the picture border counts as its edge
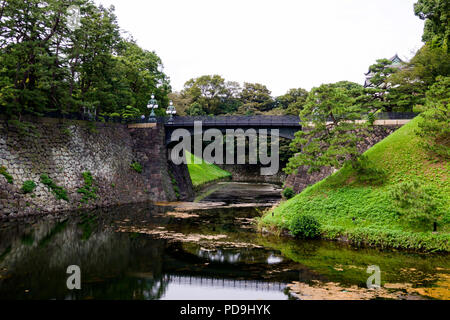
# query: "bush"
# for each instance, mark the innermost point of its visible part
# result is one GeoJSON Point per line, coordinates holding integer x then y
{"type": "Point", "coordinates": [28, 186]}
{"type": "Point", "coordinates": [305, 227]}
{"type": "Point", "coordinates": [136, 167]}
{"type": "Point", "coordinates": [88, 190]}
{"type": "Point", "coordinates": [5, 173]}
{"type": "Point", "coordinates": [58, 191]}
{"type": "Point", "coordinates": [415, 203]}
{"type": "Point", "coordinates": [288, 193]}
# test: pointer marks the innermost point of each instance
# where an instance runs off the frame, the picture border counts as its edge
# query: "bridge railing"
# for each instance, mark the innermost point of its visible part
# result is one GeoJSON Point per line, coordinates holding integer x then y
{"type": "Point", "coordinates": [236, 121]}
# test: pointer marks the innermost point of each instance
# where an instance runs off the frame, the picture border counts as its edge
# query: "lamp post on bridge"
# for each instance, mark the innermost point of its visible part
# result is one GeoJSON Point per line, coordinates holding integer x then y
{"type": "Point", "coordinates": [171, 111]}
{"type": "Point", "coordinates": [152, 104]}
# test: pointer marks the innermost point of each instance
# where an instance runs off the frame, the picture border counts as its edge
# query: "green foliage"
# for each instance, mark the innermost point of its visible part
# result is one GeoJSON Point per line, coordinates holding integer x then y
{"type": "Point", "coordinates": [434, 128]}
{"type": "Point", "coordinates": [292, 102]}
{"type": "Point", "coordinates": [330, 132]}
{"type": "Point", "coordinates": [415, 202]}
{"type": "Point", "coordinates": [410, 84]}
{"type": "Point", "coordinates": [130, 113]}
{"type": "Point", "coordinates": [28, 186]}
{"type": "Point", "coordinates": [366, 213]}
{"type": "Point", "coordinates": [367, 173]}
{"type": "Point", "coordinates": [87, 224]}
{"type": "Point", "coordinates": [255, 99]}
{"type": "Point", "coordinates": [5, 173]}
{"type": "Point", "coordinates": [92, 127]}
{"type": "Point", "coordinates": [436, 16]}
{"type": "Point", "coordinates": [136, 166]}
{"type": "Point", "coordinates": [58, 191]}
{"type": "Point", "coordinates": [212, 95]}
{"type": "Point", "coordinates": [58, 228]}
{"type": "Point", "coordinates": [288, 193]}
{"type": "Point", "coordinates": [305, 227]}
{"type": "Point", "coordinates": [381, 70]}
{"type": "Point", "coordinates": [380, 95]}
{"type": "Point", "coordinates": [89, 191]}
{"type": "Point", "coordinates": [371, 118]}
{"type": "Point", "coordinates": [66, 131]}
{"type": "Point", "coordinates": [49, 68]}
{"type": "Point", "coordinates": [175, 185]}
{"type": "Point", "coordinates": [27, 239]}
{"type": "Point", "coordinates": [195, 109]}
{"type": "Point", "coordinates": [23, 128]}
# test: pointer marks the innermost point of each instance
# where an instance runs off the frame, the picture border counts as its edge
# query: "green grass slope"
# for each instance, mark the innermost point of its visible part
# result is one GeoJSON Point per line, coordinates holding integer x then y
{"type": "Point", "coordinates": [365, 214]}
{"type": "Point", "coordinates": [204, 172]}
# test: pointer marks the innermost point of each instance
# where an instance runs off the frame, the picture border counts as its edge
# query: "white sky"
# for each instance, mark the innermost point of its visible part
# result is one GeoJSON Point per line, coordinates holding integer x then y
{"type": "Point", "coordinates": [280, 43]}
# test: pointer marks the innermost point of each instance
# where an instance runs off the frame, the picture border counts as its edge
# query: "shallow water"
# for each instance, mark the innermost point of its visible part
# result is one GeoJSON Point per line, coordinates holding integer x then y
{"type": "Point", "coordinates": [209, 249]}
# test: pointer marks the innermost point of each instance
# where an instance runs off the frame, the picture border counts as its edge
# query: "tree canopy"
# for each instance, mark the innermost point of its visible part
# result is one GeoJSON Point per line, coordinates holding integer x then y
{"type": "Point", "coordinates": [292, 102]}
{"type": "Point", "coordinates": [212, 95]}
{"type": "Point", "coordinates": [330, 132]}
{"type": "Point", "coordinates": [436, 15]}
{"type": "Point", "coordinates": [46, 65]}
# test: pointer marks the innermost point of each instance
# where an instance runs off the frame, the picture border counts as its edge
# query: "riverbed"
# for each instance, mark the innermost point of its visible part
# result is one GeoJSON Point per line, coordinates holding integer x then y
{"type": "Point", "coordinates": [206, 249]}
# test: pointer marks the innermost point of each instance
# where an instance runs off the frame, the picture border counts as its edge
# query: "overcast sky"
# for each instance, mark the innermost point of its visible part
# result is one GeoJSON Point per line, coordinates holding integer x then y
{"type": "Point", "coordinates": [280, 43]}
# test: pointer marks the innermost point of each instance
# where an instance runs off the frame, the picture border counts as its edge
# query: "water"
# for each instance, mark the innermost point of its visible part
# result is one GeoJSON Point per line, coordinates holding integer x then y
{"type": "Point", "coordinates": [209, 249]}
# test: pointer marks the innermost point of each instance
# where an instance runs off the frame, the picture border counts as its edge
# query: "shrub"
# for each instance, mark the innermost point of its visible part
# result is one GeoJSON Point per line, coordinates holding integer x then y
{"type": "Point", "coordinates": [88, 190]}
{"type": "Point", "coordinates": [28, 186]}
{"type": "Point", "coordinates": [305, 226]}
{"type": "Point", "coordinates": [136, 167]}
{"type": "Point", "coordinates": [5, 173]}
{"type": "Point", "coordinates": [415, 203]}
{"type": "Point", "coordinates": [288, 193]}
{"type": "Point", "coordinates": [58, 191]}
{"type": "Point", "coordinates": [367, 173]}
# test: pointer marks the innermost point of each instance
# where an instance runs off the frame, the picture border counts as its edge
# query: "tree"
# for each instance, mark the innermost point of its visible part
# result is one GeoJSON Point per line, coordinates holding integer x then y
{"type": "Point", "coordinates": [231, 101]}
{"type": "Point", "coordinates": [139, 73]}
{"type": "Point", "coordinates": [292, 102]}
{"type": "Point", "coordinates": [377, 93]}
{"type": "Point", "coordinates": [215, 95]}
{"type": "Point", "coordinates": [255, 98]}
{"type": "Point", "coordinates": [423, 69]}
{"type": "Point", "coordinates": [195, 109]}
{"type": "Point", "coordinates": [180, 101]}
{"type": "Point", "coordinates": [410, 84]}
{"type": "Point", "coordinates": [436, 16]}
{"type": "Point", "coordinates": [47, 66]}
{"type": "Point", "coordinates": [434, 126]}
{"type": "Point", "coordinates": [208, 91]}
{"type": "Point", "coordinates": [330, 133]}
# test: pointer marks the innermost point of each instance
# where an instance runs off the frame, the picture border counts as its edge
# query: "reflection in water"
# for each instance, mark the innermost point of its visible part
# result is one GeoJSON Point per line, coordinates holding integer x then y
{"type": "Point", "coordinates": [274, 259]}
{"type": "Point", "coordinates": [202, 288]}
{"type": "Point", "coordinates": [219, 255]}
{"type": "Point", "coordinates": [232, 261]}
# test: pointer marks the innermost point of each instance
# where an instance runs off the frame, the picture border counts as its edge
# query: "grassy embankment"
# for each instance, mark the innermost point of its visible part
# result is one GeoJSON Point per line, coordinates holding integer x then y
{"type": "Point", "coordinates": [204, 172]}
{"type": "Point", "coordinates": [348, 208]}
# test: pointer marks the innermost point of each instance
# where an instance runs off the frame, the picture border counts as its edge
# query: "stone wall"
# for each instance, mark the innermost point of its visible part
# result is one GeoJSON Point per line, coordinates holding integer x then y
{"type": "Point", "coordinates": [252, 173]}
{"type": "Point", "coordinates": [66, 149]}
{"type": "Point", "coordinates": [302, 179]}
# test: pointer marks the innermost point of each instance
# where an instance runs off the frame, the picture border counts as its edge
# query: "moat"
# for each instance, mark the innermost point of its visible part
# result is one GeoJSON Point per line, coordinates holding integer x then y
{"type": "Point", "coordinates": [207, 249]}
